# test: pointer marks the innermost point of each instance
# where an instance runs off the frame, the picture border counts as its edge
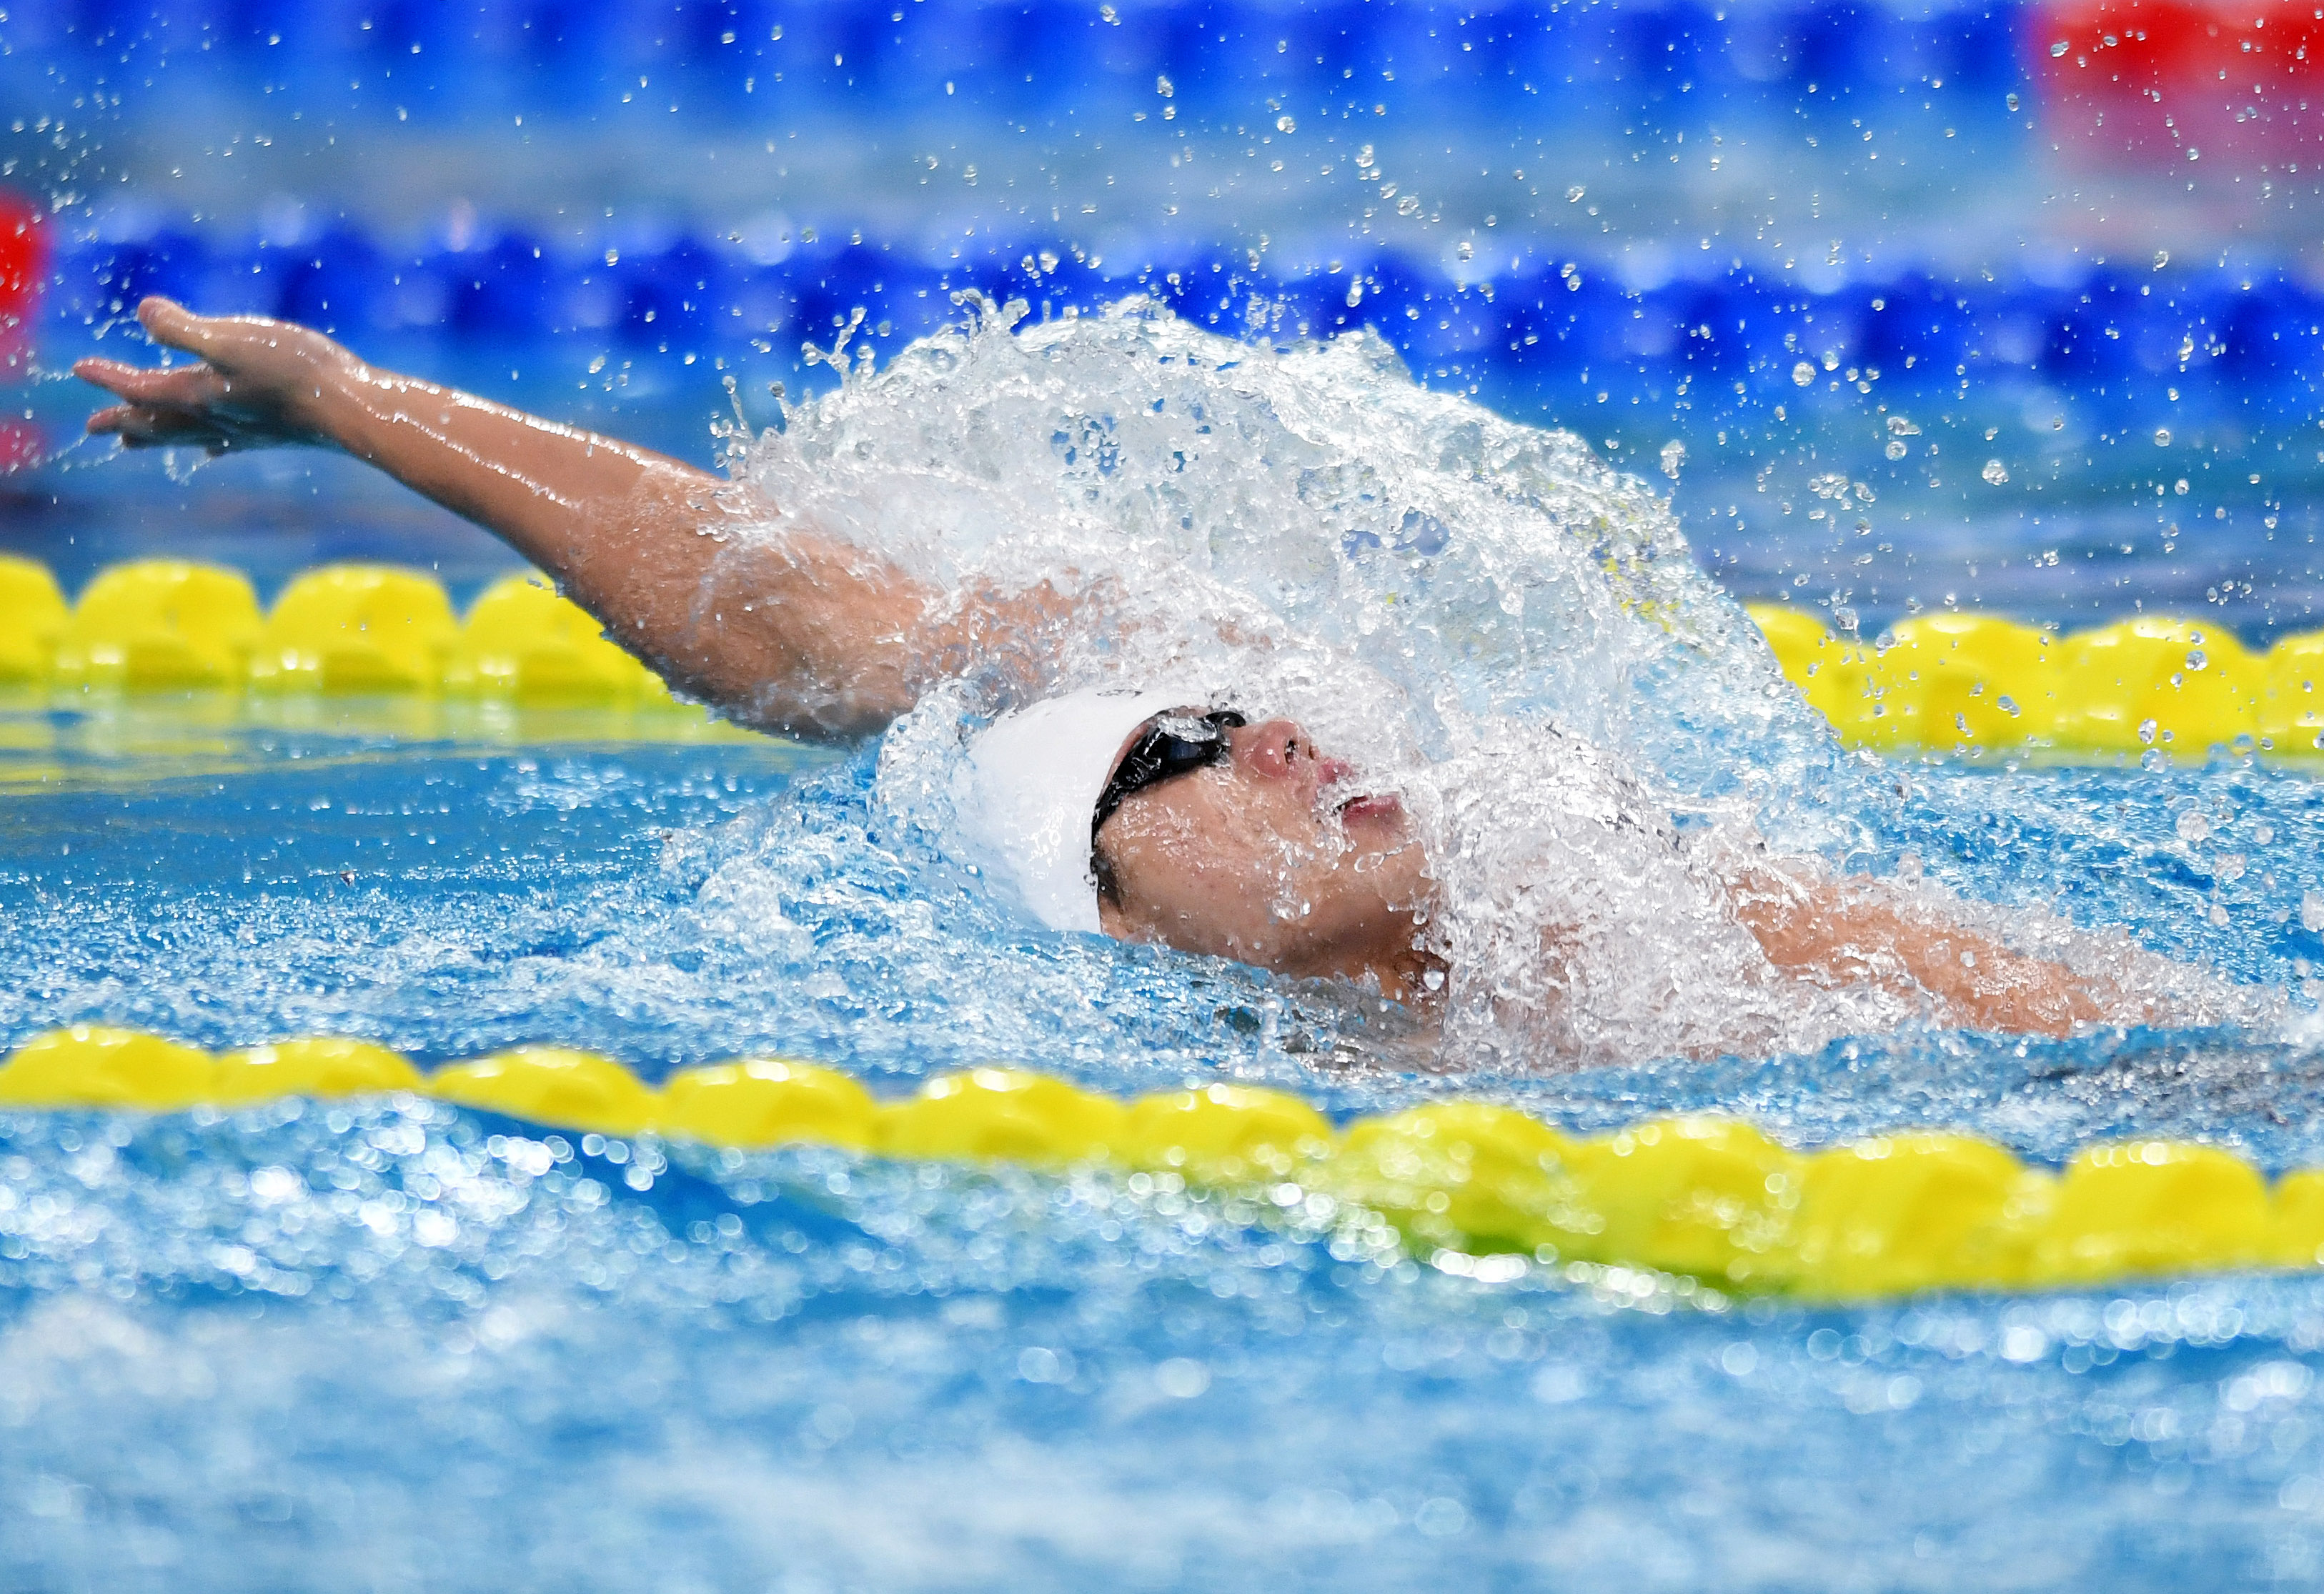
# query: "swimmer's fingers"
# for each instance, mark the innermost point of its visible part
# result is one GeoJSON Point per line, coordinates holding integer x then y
{"type": "Point", "coordinates": [190, 405]}
{"type": "Point", "coordinates": [140, 425]}
{"type": "Point", "coordinates": [256, 349]}
{"type": "Point", "coordinates": [245, 392]}
{"type": "Point", "coordinates": [177, 387]}
{"type": "Point", "coordinates": [223, 341]}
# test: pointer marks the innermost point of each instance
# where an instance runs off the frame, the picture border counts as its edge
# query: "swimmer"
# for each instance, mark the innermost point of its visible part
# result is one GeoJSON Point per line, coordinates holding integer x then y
{"type": "Point", "coordinates": [1136, 815]}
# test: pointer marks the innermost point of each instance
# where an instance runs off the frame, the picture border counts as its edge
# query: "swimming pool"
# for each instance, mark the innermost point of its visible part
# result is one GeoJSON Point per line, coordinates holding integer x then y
{"type": "Point", "coordinates": [418, 1345]}
{"type": "Point", "coordinates": [460, 1350]}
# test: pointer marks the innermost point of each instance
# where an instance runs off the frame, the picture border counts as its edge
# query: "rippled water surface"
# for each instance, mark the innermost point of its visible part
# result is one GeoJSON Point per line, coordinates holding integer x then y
{"type": "Point", "coordinates": [426, 1349]}
{"type": "Point", "coordinates": [423, 1348]}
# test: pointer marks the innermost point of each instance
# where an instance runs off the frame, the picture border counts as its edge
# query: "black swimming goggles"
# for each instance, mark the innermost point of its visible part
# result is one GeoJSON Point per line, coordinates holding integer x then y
{"type": "Point", "coordinates": [1171, 744]}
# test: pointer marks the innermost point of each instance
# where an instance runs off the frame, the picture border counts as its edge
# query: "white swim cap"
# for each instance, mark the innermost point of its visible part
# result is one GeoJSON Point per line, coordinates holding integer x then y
{"type": "Point", "coordinates": [1024, 797]}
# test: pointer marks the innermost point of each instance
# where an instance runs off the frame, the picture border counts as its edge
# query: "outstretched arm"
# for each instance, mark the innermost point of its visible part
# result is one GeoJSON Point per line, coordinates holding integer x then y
{"type": "Point", "coordinates": [800, 633]}
{"type": "Point", "coordinates": [1824, 930]}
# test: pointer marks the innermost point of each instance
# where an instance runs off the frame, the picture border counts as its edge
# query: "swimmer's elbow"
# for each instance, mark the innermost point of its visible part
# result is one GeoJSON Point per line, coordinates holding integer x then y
{"type": "Point", "coordinates": [855, 714]}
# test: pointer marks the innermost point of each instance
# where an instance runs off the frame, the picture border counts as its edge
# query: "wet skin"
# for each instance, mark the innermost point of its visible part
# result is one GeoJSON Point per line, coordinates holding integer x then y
{"type": "Point", "coordinates": [1263, 859]}
{"type": "Point", "coordinates": [802, 634]}
{"type": "Point", "coordinates": [1258, 860]}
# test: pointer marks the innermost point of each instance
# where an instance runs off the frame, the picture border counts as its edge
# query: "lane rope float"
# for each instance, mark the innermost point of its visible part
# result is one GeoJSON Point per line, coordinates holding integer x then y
{"type": "Point", "coordinates": [1979, 682]}
{"type": "Point", "coordinates": [1936, 682]}
{"type": "Point", "coordinates": [1703, 1197]}
{"type": "Point", "coordinates": [173, 625]}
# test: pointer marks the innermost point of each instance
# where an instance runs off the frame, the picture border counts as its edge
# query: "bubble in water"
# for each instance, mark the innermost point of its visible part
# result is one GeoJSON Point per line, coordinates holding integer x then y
{"type": "Point", "coordinates": [1182, 1377]}
{"type": "Point", "coordinates": [1995, 472]}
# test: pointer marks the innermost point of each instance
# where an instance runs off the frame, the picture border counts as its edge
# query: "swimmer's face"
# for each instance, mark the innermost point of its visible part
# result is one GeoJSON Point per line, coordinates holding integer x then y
{"type": "Point", "coordinates": [1266, 859]}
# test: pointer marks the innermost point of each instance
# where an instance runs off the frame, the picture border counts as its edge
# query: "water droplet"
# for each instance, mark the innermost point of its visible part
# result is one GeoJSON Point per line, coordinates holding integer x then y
{"type": "Point", "coordinates": [1803, 373]}
{"type": "Point", "coordinates": [2146, 733]}
{"type": "Point", "coordinates": [1673, 456]}
{"type": "Point", "coordinates": [2162, 436]}
{"type": "Point", "coordinates": [2197, 659]}
{"type": "Point", "coordinates": [2194, 825]}
{"type": "Point", "coordinates": [1995, 472]}
{"type": "Point", "coordinates": [1286, 124]}
{"type": "Point", "coordinates": [2056, 50]}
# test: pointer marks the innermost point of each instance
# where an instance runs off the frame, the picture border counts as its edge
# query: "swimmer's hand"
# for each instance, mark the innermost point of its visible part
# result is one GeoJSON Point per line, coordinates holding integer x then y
{"type": "Point", "coordinates": [259, 383]}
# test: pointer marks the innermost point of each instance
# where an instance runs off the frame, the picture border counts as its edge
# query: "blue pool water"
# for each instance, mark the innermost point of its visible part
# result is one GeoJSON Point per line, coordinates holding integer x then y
{"type": "Point", "coordinates": [403, 1345]}
{"type": "Point", "coordinates": [416, 1347]}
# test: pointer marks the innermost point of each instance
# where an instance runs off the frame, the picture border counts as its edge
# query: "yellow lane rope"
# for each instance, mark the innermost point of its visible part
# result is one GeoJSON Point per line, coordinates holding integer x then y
{"type": "Point", "coordinates": [1944, 682]}
{"type": "Point", "coordinates": [170, 625]}
{"type": "Point", "coordinates": [1708, 1198]}
{"type": "Point", "coordinates": [1937, 682]}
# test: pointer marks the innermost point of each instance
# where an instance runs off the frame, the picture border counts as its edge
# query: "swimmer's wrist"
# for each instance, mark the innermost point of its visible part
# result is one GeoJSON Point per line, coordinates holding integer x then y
{"type": "Point", "coordinates": [334, 400]}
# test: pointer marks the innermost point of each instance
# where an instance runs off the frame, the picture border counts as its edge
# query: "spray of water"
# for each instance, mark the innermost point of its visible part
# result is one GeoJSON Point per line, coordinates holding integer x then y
{"type": "Point", "coordinates": [1482, 615]}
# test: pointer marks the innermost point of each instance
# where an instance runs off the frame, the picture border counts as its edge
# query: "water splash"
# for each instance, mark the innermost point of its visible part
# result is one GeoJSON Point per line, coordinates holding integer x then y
{"type": "Point", "coordinates": [1482, 615]}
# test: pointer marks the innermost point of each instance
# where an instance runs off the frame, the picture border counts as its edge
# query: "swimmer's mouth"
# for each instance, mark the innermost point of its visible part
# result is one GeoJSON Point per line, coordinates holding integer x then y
{"type": "Point", "coordinates": [1369, 808]}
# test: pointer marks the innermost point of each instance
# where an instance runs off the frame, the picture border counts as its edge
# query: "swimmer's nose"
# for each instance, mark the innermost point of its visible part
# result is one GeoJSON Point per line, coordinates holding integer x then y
{"type": "Point", "coordinates": [1280, 749]}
